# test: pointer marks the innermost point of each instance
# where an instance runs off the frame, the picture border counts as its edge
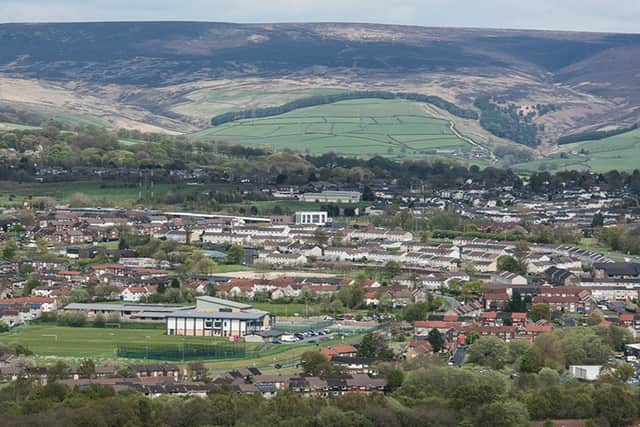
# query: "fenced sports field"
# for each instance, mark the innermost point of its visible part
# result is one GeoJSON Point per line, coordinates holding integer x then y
{"type": "Point", "coordinates": [185, 352]}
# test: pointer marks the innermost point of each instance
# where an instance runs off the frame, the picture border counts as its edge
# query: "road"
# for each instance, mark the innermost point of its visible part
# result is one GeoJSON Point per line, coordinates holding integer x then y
{"type": "Point", "coordinates": [459, 357]}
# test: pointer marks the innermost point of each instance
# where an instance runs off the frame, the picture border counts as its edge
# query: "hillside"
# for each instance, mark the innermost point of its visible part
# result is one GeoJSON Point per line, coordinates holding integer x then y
{"type": "Point", "coordinates": [175, 76]}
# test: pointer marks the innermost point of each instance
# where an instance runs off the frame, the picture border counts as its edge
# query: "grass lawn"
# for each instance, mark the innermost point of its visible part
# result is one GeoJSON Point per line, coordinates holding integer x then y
{"type": "Point", "coordinates": [231, 268]}
{"type": "Point", "coordinates": [285, 354]}
{"type": "Point", "coordinates": [50, 342]}
{"type": "Point", "coordinates": [98, 343]}
{"type": "Point", "coordinates": [288, 309]}
{"type": "Point", "coordinates": [100, 193]}
{"type": "Point", "coordinates": [592, 244]}
{"type": "Point", "coordinates": [621, 152]}
{"type": "Point", "coordinates": [365, 127]}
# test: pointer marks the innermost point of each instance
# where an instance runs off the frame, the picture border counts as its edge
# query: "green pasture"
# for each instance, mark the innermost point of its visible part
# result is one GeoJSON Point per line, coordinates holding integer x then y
{"type": "Point", "coordinates": [95, 193]}
{"type": "Point", "coordinates": [365, 127]}
{"type": "Point", "coordinates": [621, 152]}
{"type": "Point", "coordinates": [206, 103]}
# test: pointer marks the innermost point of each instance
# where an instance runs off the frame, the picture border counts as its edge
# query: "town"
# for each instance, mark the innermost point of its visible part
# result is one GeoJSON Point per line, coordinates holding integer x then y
{"type": "Point", "coordinates": [318, 303]}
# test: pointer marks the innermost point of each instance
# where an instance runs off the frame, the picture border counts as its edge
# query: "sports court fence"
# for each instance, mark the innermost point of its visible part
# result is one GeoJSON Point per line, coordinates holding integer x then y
{"type": "Point", "coordinates": [184, 351]}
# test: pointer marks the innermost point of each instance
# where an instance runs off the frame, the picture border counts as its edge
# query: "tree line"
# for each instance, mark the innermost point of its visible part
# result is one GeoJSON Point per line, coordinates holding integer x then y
{"type": "Point", "coordinates": [594, 135]}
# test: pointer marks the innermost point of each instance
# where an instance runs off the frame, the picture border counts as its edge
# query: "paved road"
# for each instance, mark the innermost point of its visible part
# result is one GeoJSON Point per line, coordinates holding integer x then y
{"type": "Point", "coordinates": [459, 357]}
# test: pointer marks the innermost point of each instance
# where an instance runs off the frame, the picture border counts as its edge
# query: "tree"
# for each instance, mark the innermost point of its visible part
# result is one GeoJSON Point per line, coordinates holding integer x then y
{"type": "Point", "coordinates": [436, 340]}
{"type": "Point", "coordinates": [394, 377]}
{"type": "Point", "coordinates": [509, 413]}
{"type": "Point", "coordinates": [509, 263]}
{"type": "Point", "coordinates": [235, 254]}
{"type": "Point", "coordinates": [615, 403]}
{"type": "Point", "coordinates": [615, 337]}
{"type": "Point", "coordinates": [540, 312]}
{"type": "Point", "coordinates": [32, 283]}
{"type": "Point", "coordinates": [470, 289]}
{"type": "Point", "coordinates": [471, 337]}
{"type": "Point", "coordinates": [175, 283]}
{"type": "Point", "coordinates": [99, 320]}
{"type": "Point", "coordinates": [546, 351]}
{"type": "Point", "coordinates": [59, 371]}
{"type": "Point", "coordinates": [315, 363]}
{"type": "Point", "coordinates": [367, 194]}
{"type": "Point", "coordinates": [74, 318]}
{"type": "Point", "coordinates": [375, 346]}
{"type": "Point", "coordinates": [162, 288]}
{"type": "Point", "coordinates": [9, 249]}
{"type": "Point", "coordinates": [517, 349]}
{"type": "Point", "coordinates": [597, 220]}
{"type": "Point", "coordinates": [624, 371]}
{"type": "Point", "coordinates": [385, 302]}
{"type": "Point", "coordinates": [4, 327]}
{"type": "Point", "coordinates": [548, 377]}
{"type": "Point", "coordinates": [320, 237]}
{"type": "Point", "coordinates": [516, 304]}
{"type": "Point", "coordinates": [351, 296]}
{"type": "Point", "coordinates": [87, 369]}
{"type": "Point", "coordinates": [392, 269]}
{"type": "Point", "coordinates": [489, 351]}
{"type": "Point", "coordinates": [416, 311]}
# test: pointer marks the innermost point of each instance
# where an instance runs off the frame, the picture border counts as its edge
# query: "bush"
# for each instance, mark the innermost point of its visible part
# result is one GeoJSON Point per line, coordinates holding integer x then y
{"type": "Point", "coordinates": [99, 321]}
{"type": "Point", "coordinates": [74, 318]}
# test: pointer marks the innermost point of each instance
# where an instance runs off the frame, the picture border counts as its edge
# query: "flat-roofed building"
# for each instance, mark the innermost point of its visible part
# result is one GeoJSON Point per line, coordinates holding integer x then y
{"type": "Point", "coordinates": [315, 218]}
{"type": "Point", "coordinates": [332, 197]}
{"type": "Point", "coordinates": [219, 317]}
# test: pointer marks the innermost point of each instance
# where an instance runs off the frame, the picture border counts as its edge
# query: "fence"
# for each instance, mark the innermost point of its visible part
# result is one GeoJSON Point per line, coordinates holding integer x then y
{"type": "Point", "coordinates": [302, 326]}
{"type": "Point", "coordinates": [185, 351]}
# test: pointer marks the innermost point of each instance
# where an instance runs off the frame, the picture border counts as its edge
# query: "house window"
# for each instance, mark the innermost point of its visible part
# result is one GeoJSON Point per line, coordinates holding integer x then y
{"type": "Point", "coordinates": [225, 310]}
{"type": "Point", "coordinates": [208, 324]}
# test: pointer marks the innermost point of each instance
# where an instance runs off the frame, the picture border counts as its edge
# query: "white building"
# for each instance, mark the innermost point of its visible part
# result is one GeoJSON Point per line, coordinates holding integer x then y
{"type": "Point", "coordinates": [346, 197]}
{"type": "Point", "coordinates": [218, 317]}
{"type": "Point", "coordinates": [316, 218]}
{"type": "Point", "coordinates": [585, 372]}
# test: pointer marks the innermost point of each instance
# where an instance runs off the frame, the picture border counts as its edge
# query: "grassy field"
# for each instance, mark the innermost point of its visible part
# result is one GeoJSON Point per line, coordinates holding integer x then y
{"type": "Point", "coordinates": [207, 102]}
{"type": "Point", "coordinates": [50, 343]}
{"type": "Point", "coordinates": [99, 343]}
{"type": "Point", "coordinates": [14, 126]}
{"type": "Point", "coordinates": [592, 244]}
{"type": "Point", "coordinates": [366, 127]}
{"type": "Point", "coordinates": [620, 152]}
{"type": "Point", "coordinates": [103, 194]}
{"type": "Point", "coordinates": [288, 309]}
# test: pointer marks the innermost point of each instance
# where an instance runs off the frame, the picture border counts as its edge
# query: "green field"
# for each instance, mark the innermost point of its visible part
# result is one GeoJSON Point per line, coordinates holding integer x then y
{"type": "Point", "coordinates": [94, 193]}
{"type": "Point", "coordinates": [50, 342]}
{"type": "Point", "coordinates": [208, 102]}
{"type": "Point", "coordinates": [98, 343]}
{"type": "Point", "coordinates": [288, 309]}
{"type": "Point", "coordinates": [365, 127]}
{"type": "Point", "coordinates": [621, 152]}
{"type": "Point", "coordinates": [14, 126]}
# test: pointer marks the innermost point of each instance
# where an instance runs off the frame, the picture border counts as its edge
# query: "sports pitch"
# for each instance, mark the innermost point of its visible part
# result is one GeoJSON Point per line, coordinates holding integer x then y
{"type": "Point", "coordinates": [364, 127]}
{"type": "Point", "coordinates": [99, 343]}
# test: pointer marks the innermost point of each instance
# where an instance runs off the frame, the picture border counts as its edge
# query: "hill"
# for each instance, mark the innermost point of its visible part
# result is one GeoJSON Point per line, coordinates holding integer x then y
{"type": "Point", "coordinates": [535, 86]}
